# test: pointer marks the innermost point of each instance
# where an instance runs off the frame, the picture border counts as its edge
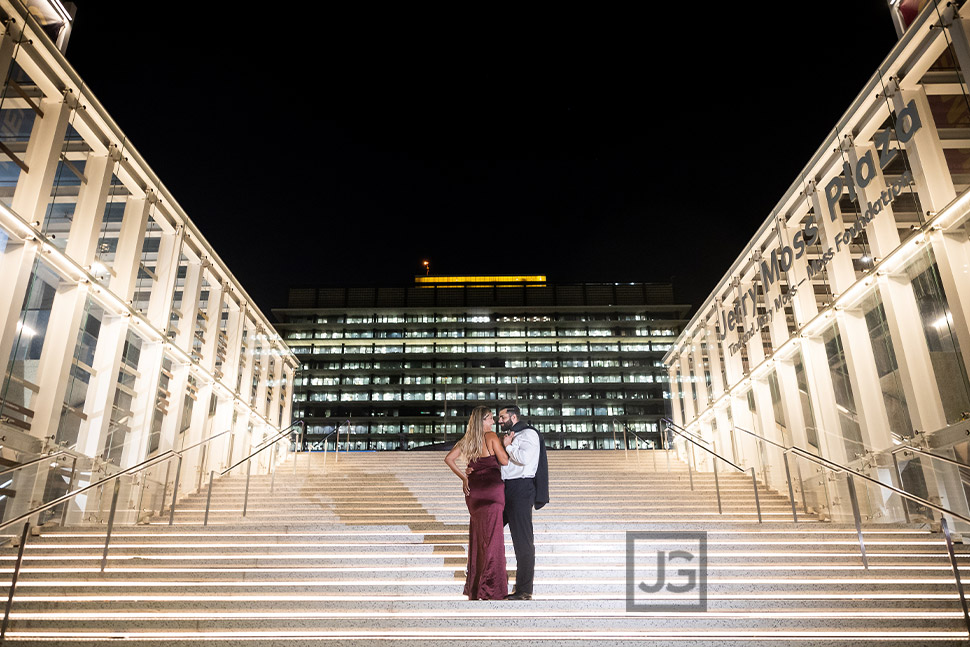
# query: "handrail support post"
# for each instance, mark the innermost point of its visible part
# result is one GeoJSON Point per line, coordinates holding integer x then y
{"type": "Point", "coordinates": [111, 524]}
{"type": "Point", "coordinates": [717, 487]}
{"type": "Point", "coordinates": [757, 499]}
{"type": "Point", "coordinates": [13, 582]}
{"type": "Point", "coordinates": [175, 491]}
{"type": "Point", "coordinates": [857, 516]}
{"type": "Point", "coordinates": [791, 491]}
{"type": "Point", "coordinates": [899, 483]}
{"type": "Point", "coordinates": [208, 499]}
{"type": "Point", "coordinates": [70, 488]}
{"type": "Point", "coordinates": [690, 473]}
{"type": "Point", "coordinates": [956, 571]}
{"type": "Point", "coordinates": [272, 469]}
{"type": "Point", "coordinates": [249, 467]}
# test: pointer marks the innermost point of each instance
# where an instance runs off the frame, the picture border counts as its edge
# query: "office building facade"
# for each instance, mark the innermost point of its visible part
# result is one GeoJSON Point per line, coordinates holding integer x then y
{"type": "Point", "coordinates": [843, 329]}
{"type": "Point", "coordinates": [402, 367]}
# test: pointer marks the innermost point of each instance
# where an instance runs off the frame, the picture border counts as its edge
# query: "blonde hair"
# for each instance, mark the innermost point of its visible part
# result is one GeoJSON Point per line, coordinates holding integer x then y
{"type": "Point", "coordinates": [472, 444]}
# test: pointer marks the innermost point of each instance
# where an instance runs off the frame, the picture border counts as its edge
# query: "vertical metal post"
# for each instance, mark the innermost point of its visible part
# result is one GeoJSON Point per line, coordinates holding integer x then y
{"type": "Point", "coordinates": [336, 446]}
{"type": "Point", "coordinates": [801, 484]}
{"type": "Point", "coordinates": [953, 564]}
{"type": "Point", "coordinates": [175, 492]}
{"type": "Point", "coordinates": [111, 523]}
{"type": "Point", "coordinates": [653, 454]}
{"type": "Point", "coordinates": [823, 481]}
{"type": "Point", "coordinates": [759, 447]}
{"type": "Point", "coordinates": [13, 582]}
{"type": "Point", "coordinates": [717, 486]}
{"type": "Point", "coordinates": [70, 488]}
{"type": "Point", "coordinates": [625, 448]}
{"type": "Point", "coordinates": [309, 457]}
{"type": "Point", "coordinates": [168, 470]}
{"type": "Point", "coordinates": [272, 469]}
{"type": "Point", "coordinates": [325, 443]}
{"type": "Point", "coordinates": [690, 473]}
{"type": "Point", "coordinates": [757, 499]}
{"type": "Point", "coordinates": [898, 478]}
{"type": "Point", "coordinates": [198, 481]}
{"type": "Point", "coordinates": [143, 481]}
{"type": "Point", "coordinates": [614, 436]}
{"type": "Point", "coordinates": [664, 444]}
{"type": "Point", "coordinates": [791, 492]}
{"type": "Point", "coordinates": [208, 499]}
{"type": "Point", "coordinates": [858, 518]}
{"type": "Point", "coordinates": [249, 465]}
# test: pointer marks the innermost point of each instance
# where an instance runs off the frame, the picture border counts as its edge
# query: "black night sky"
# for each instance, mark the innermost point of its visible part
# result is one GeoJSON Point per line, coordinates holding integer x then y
{"type": "Point", "coordinates": [315, 147]}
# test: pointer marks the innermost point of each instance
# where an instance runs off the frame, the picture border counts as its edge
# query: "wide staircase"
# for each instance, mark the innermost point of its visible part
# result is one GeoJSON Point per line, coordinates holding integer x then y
{"type": "Point", "coordinates": [371, 550]}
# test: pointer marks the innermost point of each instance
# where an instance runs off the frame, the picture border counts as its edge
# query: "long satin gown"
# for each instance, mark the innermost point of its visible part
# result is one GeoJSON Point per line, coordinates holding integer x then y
{"type": "Point", "coordinates": [487, 578]}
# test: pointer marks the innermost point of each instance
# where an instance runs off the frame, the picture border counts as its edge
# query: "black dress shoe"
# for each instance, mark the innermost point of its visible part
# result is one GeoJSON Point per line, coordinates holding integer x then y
{"type": "Point", "coordinates": [515, 595]}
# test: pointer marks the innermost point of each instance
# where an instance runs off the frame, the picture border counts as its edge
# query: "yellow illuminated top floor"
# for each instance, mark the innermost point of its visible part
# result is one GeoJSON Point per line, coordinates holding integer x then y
{"type": "Point", "coordinates": [479, 281]}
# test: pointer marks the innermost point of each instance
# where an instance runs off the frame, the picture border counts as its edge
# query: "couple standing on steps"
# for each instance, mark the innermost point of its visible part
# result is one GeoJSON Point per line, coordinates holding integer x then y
{"type": "Point", "coordinates": [505, 478]}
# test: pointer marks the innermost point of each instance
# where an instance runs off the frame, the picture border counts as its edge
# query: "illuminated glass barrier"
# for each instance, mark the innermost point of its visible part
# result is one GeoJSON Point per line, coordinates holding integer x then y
{"type": "Point", "coordinates": [122, 333]}
{"type": "Point", "coordinates": [844, 329]}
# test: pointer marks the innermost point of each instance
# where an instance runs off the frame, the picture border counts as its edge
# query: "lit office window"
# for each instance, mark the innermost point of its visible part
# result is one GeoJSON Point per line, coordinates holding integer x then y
{"type": "Point", "coordinates": [573, 348]}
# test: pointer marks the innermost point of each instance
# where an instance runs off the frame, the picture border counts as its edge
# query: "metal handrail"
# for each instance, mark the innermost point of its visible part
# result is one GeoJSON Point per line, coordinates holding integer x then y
{"type": "Point", "coordinates": [760, 437]}
{"type": "Point", "coordinates": [46, 457]}
{"type": "Point", "coordinates": [625, 452]}
{"type": "Point", "coordinates": [272, 442]}
{"type": "Point", "coordinates": [836, 467]}
{"type": "Point", "coordinates": [717, 483]}
{"type": "Point", "coordinates": [850, 473]}
{"type": "Point", "coordinates": [672, 425]}
{"type": "Point", "coordinates": [637, 448]}
{"type": "Point", "coordinates": [764, 471]}
{"type": "Point", "coordinates": [145, 464]}
{"type": "Point", "coordinates": [853, 497]}
{"type": "Point", "coordinates": [116, 478]}
{"type": "Point", "coordinates": [221, 433]}
{"type": "Point", "coordinates": [854, 500]}
{"type": "Point", "coordinates": [921, 452]}
{"type": "Point", "coordinates": [832, 465]}
{"type": "Point", "coordinates": [709, 451]}
{"type": "Point", "coordinates": [265, 444]}
{"type": "Point", "coordinates": [70, 495]}
{"type": "Point", "coordinates": [336, 455]}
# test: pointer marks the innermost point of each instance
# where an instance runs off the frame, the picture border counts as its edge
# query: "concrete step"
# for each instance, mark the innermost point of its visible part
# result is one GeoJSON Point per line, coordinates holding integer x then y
{"type": "Point", "coordinates": [448, 583]}
{"type": "Point", "coordinates": [304, 620]}
{"type": "Point", "coordinates": [497, 638]}
{"type": "Point", "coordinates": [321, 559]}
{"type": "Point", "coordinates": [545, 605]}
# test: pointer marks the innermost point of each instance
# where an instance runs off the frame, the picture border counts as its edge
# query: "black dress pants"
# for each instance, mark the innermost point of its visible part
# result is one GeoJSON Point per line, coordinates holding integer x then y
{"type": "Point", "coordinates": [520, 497]}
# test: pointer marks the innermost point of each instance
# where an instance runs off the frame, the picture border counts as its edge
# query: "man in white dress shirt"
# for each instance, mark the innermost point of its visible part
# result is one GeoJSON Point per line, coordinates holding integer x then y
{"type": "Point", "coordinates": [524, 446]}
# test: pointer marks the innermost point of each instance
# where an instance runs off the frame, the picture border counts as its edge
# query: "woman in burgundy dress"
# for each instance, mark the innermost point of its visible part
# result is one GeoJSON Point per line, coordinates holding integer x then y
{"type": "Point", "coordinates": [485, 498]}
